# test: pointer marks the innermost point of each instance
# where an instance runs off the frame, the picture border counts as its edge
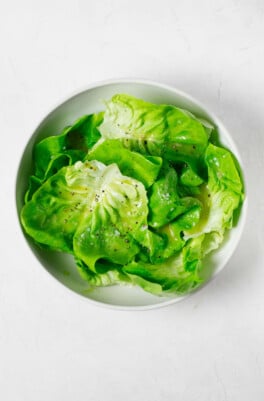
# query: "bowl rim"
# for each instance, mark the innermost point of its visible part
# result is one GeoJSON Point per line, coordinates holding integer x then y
{"type": "Point", "coordinates": [171, 88]}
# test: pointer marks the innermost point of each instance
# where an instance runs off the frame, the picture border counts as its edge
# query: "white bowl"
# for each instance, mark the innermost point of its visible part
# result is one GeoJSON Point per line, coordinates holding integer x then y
{"type": "Point", "coordinates": [90, 100]}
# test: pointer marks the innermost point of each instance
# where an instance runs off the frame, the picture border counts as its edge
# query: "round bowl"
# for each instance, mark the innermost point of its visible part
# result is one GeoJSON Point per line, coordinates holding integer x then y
{"type": "Point", "coordinates": [90, 100]}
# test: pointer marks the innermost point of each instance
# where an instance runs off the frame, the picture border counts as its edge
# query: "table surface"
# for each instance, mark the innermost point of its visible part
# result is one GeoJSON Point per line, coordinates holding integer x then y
{"type": "Point", "coordinates": [54, 346]}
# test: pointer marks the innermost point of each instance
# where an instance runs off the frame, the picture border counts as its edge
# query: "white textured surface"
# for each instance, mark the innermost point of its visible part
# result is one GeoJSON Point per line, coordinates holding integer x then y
{"type": "Point", "coordinates": [54, 346]}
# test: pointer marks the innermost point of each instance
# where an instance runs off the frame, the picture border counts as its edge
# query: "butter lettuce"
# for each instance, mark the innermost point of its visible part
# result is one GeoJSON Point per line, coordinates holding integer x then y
{"type": "Point", "coordinates": [56, 151]}
{"type": "Point", "coordinates": [221, 196]}
{"type": "Point", "coordinates": [114, 218]}
{"type": "Point", "coordinates": [106, 274]}
{"type": "Point", "coordinates": [165, 203]}
{"type": "Point", "coordinates": [179, 274]}
{"type": "Point", "coordinates": [91, 210]}
{"type": "Point", "coordinates": [143, 168]}
{"type": "Point", "coordinates": [138, 194]}
{"type": "Point", "coordinates": [159, 130]}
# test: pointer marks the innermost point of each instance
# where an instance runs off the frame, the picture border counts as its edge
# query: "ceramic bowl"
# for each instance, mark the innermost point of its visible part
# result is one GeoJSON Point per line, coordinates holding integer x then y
{"type": "Point", "coordinates": [90, 100]}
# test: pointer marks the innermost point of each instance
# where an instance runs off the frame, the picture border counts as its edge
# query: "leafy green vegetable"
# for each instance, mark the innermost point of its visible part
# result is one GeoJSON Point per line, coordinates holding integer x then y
{"type": "Point", "coordinates": [55, 152]}
{"type": "Point", "coordinates": [143, 168]}
{"type": "Point", "coordinates": [224, 187]}
{"type": "Point", "coordinates": [179, 274]}
{"type": "Point", "coordinates": [113, 221]}
{"type": "Point", "coordinates": [189, 177]}
{"type": "Point", "coordinates": [104, 276]}
{"type": "Point", "coordinates": [165, 203]}
{"type": "Point", "coordinates": [159, 130]}
{"type": "Point", "coordinates": [91, 210]}
{"type": "Point", "coordinates": [73, 143]}
{"type": "Point", "coordinates": [138, 194]}
{"type": "Point", "coordinates": [222, 194]}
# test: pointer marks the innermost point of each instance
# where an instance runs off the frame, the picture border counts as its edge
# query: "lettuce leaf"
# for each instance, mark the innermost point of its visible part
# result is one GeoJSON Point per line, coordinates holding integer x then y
{"type": "Point", "coordinates": [221, 196]}
{"type": "Point", "coordinates": [159, 130]}
{"type": "Point", "coordinates": [113, 222]}
{"type": "Point", "coordinates": [178, 275]}
{"type": "Point", "coordinates": [165, 204]}
{"type": "Point", "coordinates": [106, 274]}
{"type": "Point", "coordinates": [91, 210]}
{"type": "Point", "coordinates": [55, 152]}
{"type": "Point", "coordinates": [142, 168]}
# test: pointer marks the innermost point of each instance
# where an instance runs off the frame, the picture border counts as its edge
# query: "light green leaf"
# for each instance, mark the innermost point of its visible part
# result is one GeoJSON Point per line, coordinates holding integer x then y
{"type": "Point", "coordinates": [159, 130]}
{"type": "Point", "coordinates": [132, 164]}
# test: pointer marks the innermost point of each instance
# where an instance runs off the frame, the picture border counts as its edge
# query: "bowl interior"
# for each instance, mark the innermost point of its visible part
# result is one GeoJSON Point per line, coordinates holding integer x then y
{"type": "Point", "coordinates": [61, 266]}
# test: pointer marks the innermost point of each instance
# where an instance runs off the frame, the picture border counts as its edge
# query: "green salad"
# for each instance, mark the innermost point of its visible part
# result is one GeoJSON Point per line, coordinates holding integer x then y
{"type": "Point", "coordinates": [139, 194]}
